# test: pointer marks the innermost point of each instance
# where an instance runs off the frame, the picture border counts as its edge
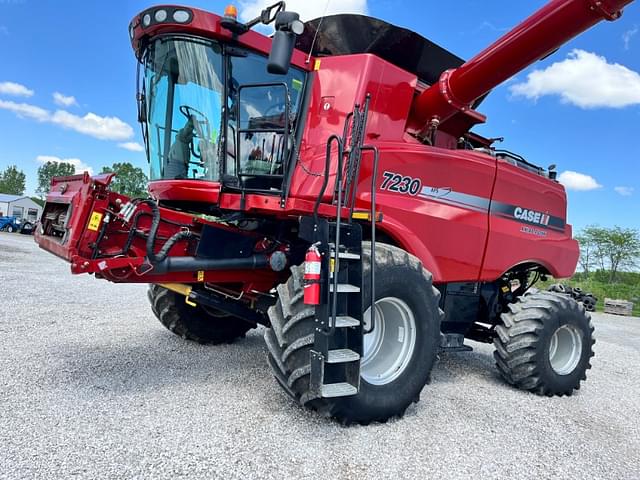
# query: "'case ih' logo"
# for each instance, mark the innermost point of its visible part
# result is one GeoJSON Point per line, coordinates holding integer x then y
{"type": "Point", "coordinates": [531, 216]}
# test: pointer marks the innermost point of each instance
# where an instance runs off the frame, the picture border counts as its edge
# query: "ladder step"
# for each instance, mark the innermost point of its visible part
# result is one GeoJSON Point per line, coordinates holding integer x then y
{"type": "Point", "coordinates": [344, 321]}
{"type": "Point", "coordinates": [342, 355]}
{"type": "Point", "coordinates": [342, 389]}
{"type": "Point", "coordinates": [346, 255]}
{"type": "Point", "coordinates": [345, 288]}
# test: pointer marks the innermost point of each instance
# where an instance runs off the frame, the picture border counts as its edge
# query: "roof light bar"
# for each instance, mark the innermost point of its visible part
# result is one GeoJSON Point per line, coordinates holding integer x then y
{"type": "Point", "coordinates": [157, 16]}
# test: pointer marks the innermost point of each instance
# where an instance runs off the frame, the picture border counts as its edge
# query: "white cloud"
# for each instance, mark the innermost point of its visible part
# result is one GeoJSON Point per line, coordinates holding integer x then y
{"type": "Point", "coordinates": [76, 162]}
{"type": "Point", "coordinates": [15, 89]}
{"type": "Point", "coordinates": [628, 35]}
{"type": "Point", "coordinates": [25, 110]}
{"type": "Point", "coordinates": [308, 10]}
{"type": "Point", "coordinates": [584, 79]}
{"type": "Point", "coordinates": [132, 146]}
{"type": "Point", "coordinates": [624, 191]}
{"type": "Point", "coordinates": [578, 181]}
{"type": "Point", "coordinates": [64, 100]}
{"type": "Point", "coordinates": [103, 128]}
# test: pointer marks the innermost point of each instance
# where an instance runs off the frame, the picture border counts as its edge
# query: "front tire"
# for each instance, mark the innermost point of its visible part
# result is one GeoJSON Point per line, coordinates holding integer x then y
{"type": "Point", "coordinates": [545, 344]}
{"type": "Point", "coordinates": [388, 385]}
{"type": "Point", "coordinates": [194, 323]}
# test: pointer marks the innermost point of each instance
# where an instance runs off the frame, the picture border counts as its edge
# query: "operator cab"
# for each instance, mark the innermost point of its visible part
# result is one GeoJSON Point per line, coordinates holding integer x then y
{"type": "Point", "coordinates": [214, 112]}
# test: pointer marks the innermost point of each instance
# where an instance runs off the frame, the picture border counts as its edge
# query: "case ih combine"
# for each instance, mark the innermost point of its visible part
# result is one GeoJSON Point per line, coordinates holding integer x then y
{"type": "Point", "coordinates": [325, 183]}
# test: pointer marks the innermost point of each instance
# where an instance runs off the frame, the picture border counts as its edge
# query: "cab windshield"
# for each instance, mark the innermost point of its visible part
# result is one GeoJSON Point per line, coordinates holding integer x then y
{"type": "Point", "coordinates": [213, 112]}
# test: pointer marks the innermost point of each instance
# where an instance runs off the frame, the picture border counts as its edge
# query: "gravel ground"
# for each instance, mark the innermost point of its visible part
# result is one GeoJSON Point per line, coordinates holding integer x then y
{"type": "Point", "coordinates": [92, 386]}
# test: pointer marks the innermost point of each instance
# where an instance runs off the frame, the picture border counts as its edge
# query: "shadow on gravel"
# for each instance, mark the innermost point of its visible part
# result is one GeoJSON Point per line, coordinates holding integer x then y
{"type": "Point", "coordinates": [157, 360]}
{"type": "Point", "coordinates": [452, 367]}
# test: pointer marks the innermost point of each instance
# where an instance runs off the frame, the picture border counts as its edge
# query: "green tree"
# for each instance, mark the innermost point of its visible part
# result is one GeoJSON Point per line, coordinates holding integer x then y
{"type": "Point", "coordinates": [130, 181]}
{"type": "Point", "coordinates": [622, 249]}
{"type": "Point", "coordinates": [611, 249]}
{"type": "Point", "coordinates": [12, 181]}
{"type": "Point", "coordinates": [49, 170]}
{"type": "Point", "coordinates": [587, 253]}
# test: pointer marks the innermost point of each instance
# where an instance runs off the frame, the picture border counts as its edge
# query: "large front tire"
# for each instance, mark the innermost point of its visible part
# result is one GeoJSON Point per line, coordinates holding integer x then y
{"type": "Point", "coordinates": [194, 323]}
{"type": "Point", "coordinates": [402, 286]}
{"type": "Point", "coordinates": [545, 344]}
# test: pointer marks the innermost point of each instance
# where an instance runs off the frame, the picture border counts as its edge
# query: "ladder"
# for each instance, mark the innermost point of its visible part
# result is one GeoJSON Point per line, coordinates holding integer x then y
{"type": "Point", "coordinates": [338, 339]}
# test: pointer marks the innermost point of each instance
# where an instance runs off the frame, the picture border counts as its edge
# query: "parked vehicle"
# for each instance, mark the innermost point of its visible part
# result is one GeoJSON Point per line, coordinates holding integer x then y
{"type": "Point", "coordinates": [27, 228]}
{"type": "Point", "coordinates": [9, 224]}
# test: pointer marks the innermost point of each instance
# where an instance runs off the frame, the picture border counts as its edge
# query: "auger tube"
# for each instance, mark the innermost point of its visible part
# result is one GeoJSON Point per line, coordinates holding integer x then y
{"type": "Point", "coordinates": [533, 39]}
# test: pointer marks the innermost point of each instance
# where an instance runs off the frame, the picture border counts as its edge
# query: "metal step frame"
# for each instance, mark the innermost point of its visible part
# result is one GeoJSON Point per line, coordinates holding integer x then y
{"type": "Point", "coordinates": [338, 338]}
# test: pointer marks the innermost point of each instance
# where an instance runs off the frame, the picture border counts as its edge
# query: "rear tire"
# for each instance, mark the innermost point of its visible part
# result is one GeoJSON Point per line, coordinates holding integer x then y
{"type": "Point", "coordinates": [545, 344]}
{"type": "Point", "coordinates": [194, 323]}
{"type": "Point", "coordinates": [291, 339]}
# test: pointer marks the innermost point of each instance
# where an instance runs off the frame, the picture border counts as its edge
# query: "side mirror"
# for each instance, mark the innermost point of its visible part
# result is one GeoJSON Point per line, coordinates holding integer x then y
{"type": "Point", "coordinates": [288, 27]}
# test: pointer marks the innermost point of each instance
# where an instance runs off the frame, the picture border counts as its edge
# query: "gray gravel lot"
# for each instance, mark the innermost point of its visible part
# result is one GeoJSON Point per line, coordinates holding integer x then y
{"type": "Point", "coordinates": [92, 386]}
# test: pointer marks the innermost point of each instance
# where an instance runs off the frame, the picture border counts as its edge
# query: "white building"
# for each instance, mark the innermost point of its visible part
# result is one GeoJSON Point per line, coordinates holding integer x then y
{"type": "Point", "coordinates": [20, 207]}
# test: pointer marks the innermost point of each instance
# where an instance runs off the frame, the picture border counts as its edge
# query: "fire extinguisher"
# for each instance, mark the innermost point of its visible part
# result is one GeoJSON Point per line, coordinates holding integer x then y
{"type": "Point", "coordinates": [312, 270]}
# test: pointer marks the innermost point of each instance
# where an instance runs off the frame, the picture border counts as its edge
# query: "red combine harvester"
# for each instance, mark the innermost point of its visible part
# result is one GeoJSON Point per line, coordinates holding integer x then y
{"type": "Point", "coordinates": [325, 183]}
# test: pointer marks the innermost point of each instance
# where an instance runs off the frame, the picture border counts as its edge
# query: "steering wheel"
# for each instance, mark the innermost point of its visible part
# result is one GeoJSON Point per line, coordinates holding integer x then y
{"type": "Point", "coordinates": [192, 114]}
{"type": "Point", "coordinates": [188, 112]}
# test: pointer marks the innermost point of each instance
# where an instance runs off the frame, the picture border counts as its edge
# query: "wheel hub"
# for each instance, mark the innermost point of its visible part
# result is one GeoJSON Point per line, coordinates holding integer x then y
{"type": "Point", "coordinates": [389, 347]}
{"type": "Point", "coordinates": [565, 349]}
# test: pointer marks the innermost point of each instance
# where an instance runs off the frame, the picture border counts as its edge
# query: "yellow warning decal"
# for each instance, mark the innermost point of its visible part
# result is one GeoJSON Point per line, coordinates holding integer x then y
{"type": "Point", "coordinates": [316, 65]}
{"type": "Point", "coordinates": [201, 275]}
{"type": "Point", "coordinates": [94, 222]}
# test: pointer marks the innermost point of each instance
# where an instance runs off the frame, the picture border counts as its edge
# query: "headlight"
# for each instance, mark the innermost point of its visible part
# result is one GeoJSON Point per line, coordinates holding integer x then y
{"type": "Point", "coordinates": [297, 27]}
{"type": "Point", "coordinates": [181, 16]}
{"type": "Point", "coordinates": [160, 15]}
{"type": "Point", "coordinates": [146, 20]}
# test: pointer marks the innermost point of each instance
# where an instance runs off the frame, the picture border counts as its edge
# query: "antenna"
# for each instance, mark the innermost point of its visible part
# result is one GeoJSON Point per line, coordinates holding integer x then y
{"type": "Point", "coordinates": [313, 43]}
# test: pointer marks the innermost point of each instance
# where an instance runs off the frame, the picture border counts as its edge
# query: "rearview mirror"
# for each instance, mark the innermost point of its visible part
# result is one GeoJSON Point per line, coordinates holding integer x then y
{"type": "Point", "coordinates": [288, 27]}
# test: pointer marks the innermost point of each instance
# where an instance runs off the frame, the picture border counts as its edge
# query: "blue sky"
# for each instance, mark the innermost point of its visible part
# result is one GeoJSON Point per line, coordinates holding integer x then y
{"type": "Point", "coordinates": [579, 109]}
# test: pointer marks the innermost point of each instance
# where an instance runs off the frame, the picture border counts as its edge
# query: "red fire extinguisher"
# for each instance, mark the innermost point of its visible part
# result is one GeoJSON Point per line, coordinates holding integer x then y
{"type": "Point", "coordinates": [312, 269]}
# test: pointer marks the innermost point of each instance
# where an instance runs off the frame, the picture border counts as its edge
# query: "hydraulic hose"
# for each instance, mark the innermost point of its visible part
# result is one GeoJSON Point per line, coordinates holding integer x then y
{"type": "Point", "coordinates": [164, 251]}
{"type": "Point", "coordinates": [153, 232]}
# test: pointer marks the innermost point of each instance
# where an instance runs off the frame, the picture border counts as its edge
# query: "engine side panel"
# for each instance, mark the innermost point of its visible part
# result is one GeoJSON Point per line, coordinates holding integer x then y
{"type": "Point", "coordinates": [528, 225]}
{"type": "Point", "coordinates": [435, 204]}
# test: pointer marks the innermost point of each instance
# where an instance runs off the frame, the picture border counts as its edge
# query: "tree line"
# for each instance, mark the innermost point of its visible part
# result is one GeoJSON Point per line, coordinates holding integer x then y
{"type": "Point", "coordinates": [130, 180]}
{"type": "Point", "coordinates": [609, 251]}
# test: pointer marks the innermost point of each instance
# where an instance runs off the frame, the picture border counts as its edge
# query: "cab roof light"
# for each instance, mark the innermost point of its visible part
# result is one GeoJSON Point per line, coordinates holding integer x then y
{"type": "Point", "coordinates": [267, 16]}
{"type": "Point", "coordinates": [231, 12]}
{"type": "Point", "coordinates": [166, 15]}
{"type": "Point", "coordinates": [160, 15]}
{"type": "Point", "coordinates": [182, 16]}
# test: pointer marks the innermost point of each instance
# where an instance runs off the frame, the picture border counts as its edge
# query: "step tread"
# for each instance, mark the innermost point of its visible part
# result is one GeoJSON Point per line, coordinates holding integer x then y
{"type": "Point", "coordinates": [343, 321]}
{"type": "Point", "coordinates": [342, 355]}
{"type": "Point", "coordinates": [342, 389]}
{"type": "Point", "coordinates": [346, 255]}
{"type": "Point", "coordinates": [345, 288]}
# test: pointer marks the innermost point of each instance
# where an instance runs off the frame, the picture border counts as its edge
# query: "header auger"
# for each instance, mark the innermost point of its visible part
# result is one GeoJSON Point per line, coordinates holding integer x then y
{"type": "Point", "coordinates": [325, 183]}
